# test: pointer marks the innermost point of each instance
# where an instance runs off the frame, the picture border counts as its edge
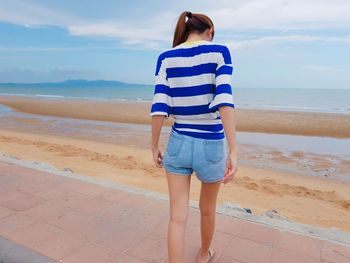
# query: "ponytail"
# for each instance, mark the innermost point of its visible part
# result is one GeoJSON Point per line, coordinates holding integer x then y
{"type": "Point", "coordinates": [195, 22]}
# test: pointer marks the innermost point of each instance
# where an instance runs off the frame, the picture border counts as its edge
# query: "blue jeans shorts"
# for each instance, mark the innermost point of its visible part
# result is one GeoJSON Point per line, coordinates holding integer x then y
{"type": "Point", "coordinates": [185, 154]}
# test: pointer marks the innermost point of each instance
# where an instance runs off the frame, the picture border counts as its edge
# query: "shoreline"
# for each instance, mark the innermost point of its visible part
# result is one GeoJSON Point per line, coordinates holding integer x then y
{"type": "Point", "coordinates": [308, 156]}
{"type": "Point", "coordinates": [249, 120]}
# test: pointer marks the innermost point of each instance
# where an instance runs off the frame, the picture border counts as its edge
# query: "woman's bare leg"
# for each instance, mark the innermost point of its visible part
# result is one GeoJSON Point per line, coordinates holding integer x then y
{"type": "Point", "coordinates": [179, 191]}
{"type": "Point", "coordinates": [207, 206]}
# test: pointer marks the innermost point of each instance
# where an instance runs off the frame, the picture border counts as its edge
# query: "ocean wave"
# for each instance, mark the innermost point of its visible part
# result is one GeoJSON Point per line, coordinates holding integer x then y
{"type": "Point", "coordinates": [293, 108]}
{"type": "Point", "coordinates": [50, 96]}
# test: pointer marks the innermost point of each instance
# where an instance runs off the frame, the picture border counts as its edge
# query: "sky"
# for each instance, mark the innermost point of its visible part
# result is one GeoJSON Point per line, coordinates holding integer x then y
{"type": "Point", "coordinates": [273, 43]}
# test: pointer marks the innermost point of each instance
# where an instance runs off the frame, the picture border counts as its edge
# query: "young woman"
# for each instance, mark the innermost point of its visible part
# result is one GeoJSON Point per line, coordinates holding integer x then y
{"type": "Point", "coordinates": [192, 84]}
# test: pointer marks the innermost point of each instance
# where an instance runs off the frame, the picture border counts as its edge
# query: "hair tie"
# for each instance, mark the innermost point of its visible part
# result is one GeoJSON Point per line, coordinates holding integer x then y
{"type": "Point", "coordinates": [189, 14]}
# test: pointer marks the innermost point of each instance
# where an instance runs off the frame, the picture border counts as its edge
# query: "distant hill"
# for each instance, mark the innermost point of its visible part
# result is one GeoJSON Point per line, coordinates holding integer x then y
{"type": "Point", "coordinates": [75, 83]}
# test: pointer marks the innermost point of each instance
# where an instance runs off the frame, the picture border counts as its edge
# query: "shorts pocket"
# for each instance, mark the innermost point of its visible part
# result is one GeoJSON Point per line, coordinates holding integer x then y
{"type": "Point", "coordinates": [174, 145]}
{"type": "Point", "coordinates": [214, 150]}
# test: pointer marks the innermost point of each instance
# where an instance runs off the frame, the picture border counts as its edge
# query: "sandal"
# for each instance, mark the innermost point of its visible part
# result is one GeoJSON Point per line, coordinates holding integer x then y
{"type": "Point", "coordinates": [211, 255]}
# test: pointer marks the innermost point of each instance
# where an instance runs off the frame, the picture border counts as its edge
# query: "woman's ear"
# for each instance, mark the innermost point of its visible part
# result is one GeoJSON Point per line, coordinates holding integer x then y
{"type": "Point", "coordinates": [211, 33]}
{"type": "Point", "coordinates": [208, 34]}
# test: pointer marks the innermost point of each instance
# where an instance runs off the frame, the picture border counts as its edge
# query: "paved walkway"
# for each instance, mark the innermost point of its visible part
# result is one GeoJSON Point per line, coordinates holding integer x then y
{"type": "Point", "coordinates": [46, 217]}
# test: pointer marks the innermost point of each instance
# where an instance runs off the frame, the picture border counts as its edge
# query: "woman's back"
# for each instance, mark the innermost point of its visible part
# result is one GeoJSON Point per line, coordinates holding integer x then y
{"type": "Point", "coordinates": [192, 81]}
{"type": "Point", "coordinates": [193, 86]}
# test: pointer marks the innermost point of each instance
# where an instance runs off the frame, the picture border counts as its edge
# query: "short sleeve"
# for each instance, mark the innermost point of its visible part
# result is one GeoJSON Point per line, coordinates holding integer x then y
{"type": "Point", "coordinates": [162, 102]}
{"type": "Point", "coordinates": [223, 88]}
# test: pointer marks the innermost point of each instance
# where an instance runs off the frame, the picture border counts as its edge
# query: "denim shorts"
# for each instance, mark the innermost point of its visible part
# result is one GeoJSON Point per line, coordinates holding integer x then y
{"type": "Point", "coordinates": [185, 154]}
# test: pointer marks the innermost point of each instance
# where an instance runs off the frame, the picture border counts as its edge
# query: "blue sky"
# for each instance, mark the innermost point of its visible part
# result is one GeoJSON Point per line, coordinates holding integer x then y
{"type": "Point", "coordinates": [273, 43]}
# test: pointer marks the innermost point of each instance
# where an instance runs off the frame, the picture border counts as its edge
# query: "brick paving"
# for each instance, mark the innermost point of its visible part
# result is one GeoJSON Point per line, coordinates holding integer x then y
{"type": "Point", "coordinates": [46, 217]}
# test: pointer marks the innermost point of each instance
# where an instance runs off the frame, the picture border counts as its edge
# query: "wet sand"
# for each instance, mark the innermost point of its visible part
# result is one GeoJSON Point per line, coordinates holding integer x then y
{"type": "Point", "coordinates": [267, 121]}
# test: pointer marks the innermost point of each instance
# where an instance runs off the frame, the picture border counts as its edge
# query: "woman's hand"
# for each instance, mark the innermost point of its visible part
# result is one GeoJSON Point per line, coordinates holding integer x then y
{"type": "Point", "coordinates": [231, 167]}
{"type": "Point", "coordinates": [157, 157]}
{"type": "Point", "coordinates": [157, 123]}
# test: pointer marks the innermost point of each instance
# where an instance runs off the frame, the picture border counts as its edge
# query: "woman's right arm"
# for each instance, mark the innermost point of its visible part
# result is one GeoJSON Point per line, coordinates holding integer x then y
{"type": "Point", "coordinates": [223, 102]}
{"type": "Point", "coordinates": [227, 114]}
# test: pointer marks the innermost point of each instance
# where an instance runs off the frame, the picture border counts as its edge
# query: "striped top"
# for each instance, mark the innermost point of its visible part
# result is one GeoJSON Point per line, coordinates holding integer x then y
{"type": "Point", "coordinates": [192, 80]}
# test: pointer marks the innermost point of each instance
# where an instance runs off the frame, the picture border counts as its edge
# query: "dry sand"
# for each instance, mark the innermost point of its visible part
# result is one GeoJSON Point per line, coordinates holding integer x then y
{"type": "Point", "coordinates": [311, 200]}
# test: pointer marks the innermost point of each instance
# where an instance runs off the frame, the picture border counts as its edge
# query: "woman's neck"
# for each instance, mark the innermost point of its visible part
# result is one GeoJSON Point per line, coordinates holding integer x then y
{"type": "Point", "coordinates": [195, 37]}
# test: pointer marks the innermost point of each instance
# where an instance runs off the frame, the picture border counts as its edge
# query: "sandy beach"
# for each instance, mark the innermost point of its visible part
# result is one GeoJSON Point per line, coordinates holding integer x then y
{"type": "Point", "coordinates": [123, 155]}
{"type": "Point", "coordinates": [266, 121]}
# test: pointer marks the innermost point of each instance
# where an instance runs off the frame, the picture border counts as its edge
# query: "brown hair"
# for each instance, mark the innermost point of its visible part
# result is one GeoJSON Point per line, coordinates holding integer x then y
{"type": "Point", "coordinates": [195, 22]}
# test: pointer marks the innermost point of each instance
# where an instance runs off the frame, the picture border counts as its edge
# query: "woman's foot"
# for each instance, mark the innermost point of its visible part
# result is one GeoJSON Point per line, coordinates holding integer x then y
{"type": "Point", "coordinates": [205, 258]}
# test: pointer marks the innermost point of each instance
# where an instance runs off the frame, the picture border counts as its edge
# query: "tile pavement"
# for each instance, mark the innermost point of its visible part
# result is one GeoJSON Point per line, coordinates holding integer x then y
{"type": "Point", "coordinates": [46, 217]}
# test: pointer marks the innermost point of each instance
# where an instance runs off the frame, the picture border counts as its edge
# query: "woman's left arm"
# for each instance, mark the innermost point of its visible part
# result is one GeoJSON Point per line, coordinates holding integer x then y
{"type": "Point", "coordinates": [157, 123]}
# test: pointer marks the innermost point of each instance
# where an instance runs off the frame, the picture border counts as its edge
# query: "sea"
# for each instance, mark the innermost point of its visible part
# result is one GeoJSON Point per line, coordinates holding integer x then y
{"type": "Point", "coordinates": [331, 100]}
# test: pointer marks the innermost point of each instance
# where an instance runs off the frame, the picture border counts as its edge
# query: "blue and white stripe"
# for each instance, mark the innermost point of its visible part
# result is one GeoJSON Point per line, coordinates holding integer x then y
{"type": "Point", "coordinates": [191, 82]}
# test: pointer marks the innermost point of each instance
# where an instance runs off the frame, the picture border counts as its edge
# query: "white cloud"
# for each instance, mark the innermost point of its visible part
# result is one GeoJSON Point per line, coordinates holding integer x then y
{"type": "Point", "coordinates": [29, 14]}
{"type": "Point", "coordinates": [129, 35]}
{"type": "Point", "coordinates": [230, 17]}
{"type": "Point", "coordinates": [151, 34]}
{"type": "Point", "coordinates": [281, 14]}
{"type": "Point", "coordinates": [274, 40]}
